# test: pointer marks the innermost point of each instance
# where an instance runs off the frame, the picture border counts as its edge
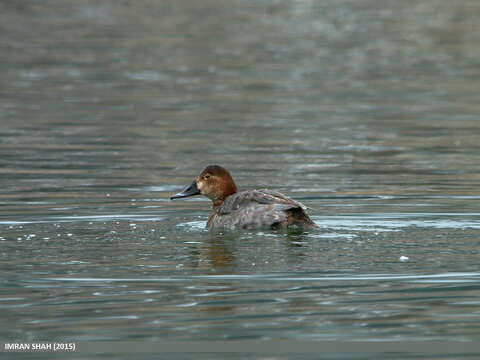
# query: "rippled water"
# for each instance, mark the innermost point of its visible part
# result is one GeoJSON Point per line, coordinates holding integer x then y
{"type": "Point", "coordinates": [368, 112]}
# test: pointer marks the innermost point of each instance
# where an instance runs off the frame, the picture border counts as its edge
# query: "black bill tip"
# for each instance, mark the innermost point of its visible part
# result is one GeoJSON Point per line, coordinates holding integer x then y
{"type": "Point", "coordinates": [190, 190]}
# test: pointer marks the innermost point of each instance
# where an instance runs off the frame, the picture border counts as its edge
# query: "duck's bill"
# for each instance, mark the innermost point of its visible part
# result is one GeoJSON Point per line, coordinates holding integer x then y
{"type": "Point", "coordinates": [190, 190]}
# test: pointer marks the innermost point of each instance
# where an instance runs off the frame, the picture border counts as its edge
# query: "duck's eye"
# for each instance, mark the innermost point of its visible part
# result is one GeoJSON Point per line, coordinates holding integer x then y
{"type": "Point", "coordinates": [207, 176]}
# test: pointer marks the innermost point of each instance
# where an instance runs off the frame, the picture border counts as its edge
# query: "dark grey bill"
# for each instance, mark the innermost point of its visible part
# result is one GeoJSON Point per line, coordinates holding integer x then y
{"type": "Point", "coordinates": [190, 190]}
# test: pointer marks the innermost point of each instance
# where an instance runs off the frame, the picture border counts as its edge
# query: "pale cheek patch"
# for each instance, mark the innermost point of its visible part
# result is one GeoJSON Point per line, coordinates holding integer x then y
{"type": "Point", "coordinates": [203, 188]}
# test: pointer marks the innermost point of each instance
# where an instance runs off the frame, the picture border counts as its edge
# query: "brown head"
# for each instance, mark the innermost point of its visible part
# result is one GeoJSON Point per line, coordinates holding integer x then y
{"type": "Point", "coordinates": [214, 182]}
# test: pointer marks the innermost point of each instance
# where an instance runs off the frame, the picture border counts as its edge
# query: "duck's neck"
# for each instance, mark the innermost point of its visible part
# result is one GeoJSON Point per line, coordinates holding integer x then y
{"type": "Point", "coordinates": [228, 190]}
{"type": "Point", "coordinates": [217, 203]}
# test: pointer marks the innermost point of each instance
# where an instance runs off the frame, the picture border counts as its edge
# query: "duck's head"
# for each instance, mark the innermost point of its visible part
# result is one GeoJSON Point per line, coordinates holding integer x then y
{"type": "Point", "coordinates": [214, 182]}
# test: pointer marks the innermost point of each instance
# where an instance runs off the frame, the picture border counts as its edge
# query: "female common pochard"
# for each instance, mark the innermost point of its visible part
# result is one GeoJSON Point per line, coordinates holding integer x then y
{"type": "Point", "coordinates": [245, 209]}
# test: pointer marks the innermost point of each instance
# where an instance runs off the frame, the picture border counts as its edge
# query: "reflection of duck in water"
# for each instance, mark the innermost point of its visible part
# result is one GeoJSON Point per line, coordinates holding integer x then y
{"type": "Point", "coordinates": [246, 209]}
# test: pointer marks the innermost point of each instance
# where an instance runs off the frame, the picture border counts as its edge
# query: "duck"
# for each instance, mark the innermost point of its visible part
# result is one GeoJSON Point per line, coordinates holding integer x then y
{"type": "Point", "coordinates": [245, 209]}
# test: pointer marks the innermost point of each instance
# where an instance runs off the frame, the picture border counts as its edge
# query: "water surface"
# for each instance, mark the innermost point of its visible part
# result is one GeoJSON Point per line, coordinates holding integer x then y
{"type": "Point", "coordinates": [366, 111]}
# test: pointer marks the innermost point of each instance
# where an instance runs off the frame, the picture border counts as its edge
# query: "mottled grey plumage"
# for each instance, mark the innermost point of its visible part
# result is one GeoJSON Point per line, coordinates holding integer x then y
{"type": "Point", "coordinates": [259, 208]}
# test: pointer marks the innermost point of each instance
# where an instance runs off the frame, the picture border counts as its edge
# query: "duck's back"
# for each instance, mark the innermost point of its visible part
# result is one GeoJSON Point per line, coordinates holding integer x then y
{"type": "Point", "coordinates": [259, 208]}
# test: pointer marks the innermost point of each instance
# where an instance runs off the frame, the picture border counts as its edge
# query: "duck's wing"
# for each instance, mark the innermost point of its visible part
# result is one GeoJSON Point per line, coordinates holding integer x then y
{"type": "Point", "coordinates": [246, 199]}
{"type": "Point", "coordinates": [259, 208]}
{"type": "Point", "coordinates": [280, 198]}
